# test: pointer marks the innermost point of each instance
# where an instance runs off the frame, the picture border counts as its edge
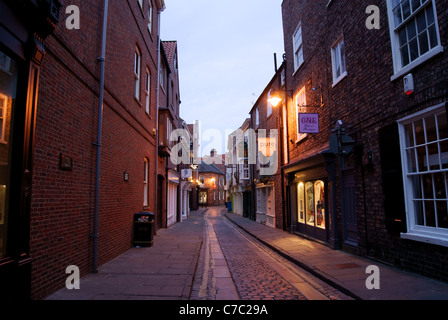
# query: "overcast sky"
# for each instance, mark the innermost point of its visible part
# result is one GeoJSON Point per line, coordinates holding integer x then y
{"type": "Point", "coordinates": [226, 58]}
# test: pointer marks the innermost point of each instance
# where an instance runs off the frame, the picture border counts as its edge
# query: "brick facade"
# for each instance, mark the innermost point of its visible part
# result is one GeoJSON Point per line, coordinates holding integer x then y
{"type": "Point", "coordinates": [62, 203]}
{"type": "Point", "coordinates": [369, 100]}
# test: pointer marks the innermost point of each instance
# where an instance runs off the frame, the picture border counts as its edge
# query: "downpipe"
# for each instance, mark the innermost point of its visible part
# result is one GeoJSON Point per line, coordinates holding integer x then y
{"type": "Point", "coordinates": [101, 60]}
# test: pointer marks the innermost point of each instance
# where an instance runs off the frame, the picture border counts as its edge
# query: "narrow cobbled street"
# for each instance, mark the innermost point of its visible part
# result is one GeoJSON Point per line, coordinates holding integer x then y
{"type": "Point", "coordinates": [233, 265]}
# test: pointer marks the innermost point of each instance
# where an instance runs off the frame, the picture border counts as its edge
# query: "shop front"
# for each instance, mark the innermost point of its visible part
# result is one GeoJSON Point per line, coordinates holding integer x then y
{"type": "Point", "coordinates": [24, 25]}
{"type": "Point", "coordinates": [310, 185]}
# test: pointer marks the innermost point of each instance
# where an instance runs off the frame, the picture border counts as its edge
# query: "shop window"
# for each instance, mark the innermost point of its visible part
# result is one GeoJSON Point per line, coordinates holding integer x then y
{"type": "Point", "coordinates": [311, 203]}
{"type": "Point", "coordinates": [8, 86]}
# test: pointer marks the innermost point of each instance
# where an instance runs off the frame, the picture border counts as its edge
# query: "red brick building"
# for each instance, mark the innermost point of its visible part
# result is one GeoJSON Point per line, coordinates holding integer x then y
{"type": "Point", "coordinates": [168, 174]}
{"type": "Point", "coordinates": [386, 195]}
{"type": "Point", "coordinates": [267, 192]}
{"type": "Point", "coordinates": [83, 185]}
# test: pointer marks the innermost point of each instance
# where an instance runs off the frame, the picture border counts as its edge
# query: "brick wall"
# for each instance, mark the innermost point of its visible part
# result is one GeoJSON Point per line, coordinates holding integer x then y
{"type": "Point", "coordinates": [366, 100]}
{"type": "Point", "coordinates": [63, 201]}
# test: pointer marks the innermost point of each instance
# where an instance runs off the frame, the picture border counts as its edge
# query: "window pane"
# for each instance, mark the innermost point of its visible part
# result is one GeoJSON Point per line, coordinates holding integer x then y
{"type": "Point", "coordinates": [433, 156]}
{"type": "Point", "coordinates": [430, 214]}
{"type": "Point", "coordinates": [404, 56]}
{"type": "Point", "coordinates": [409, 135]}
{"type": "Point", "coordinates": [431, 132]}
{"type": "Point", "coordinates": [419, 132]}
{"type": "Point", "coordinates": [423, 42]}
{"type": "Point", "coordinates": [320, 203]}
{"type": "Point", "coordinates": [397, 16]}
{"type": "Point", "coordinates": [309, 196]}
{"type": "Point", "coordinates": [427, 186]}
{"type": "Point", "coordinates": [342, 56]}
{"type": "Point", "coordinates": [301, 202]}
{"type": "Point", "coordinates": [439, 185]}
{"type": "Point", "coordinates": [442, 215]}
{"type": "Point", "coordinates": [444, 154]}
{"type": "Point", "coordinates": [417, 187]}
{"type": "Point", "coordinates": [432, 36]}
{"type": "Point", "coordinates": [412, 166]}
{"type": "Point", "coordinates": [413, 49]}
{"type": "Point", "coordinates": [406, 9]}
{"type": "Point", "coordinates": [402, 36]}
{"type": "Point", "coordinates": [421, 159]}
{"type": "Point", "coordinates": [421, 21]}
{"type": "Point", "coordinates": [415, 4]}
{"type": "Point", "coordinates": [418, 209]}
{"type": "Point", "coordinates": [443, 128]}
{"type": "Point", "coordinates": [410, 27]}
{"type": "Point", "coordinates": [429, 15]}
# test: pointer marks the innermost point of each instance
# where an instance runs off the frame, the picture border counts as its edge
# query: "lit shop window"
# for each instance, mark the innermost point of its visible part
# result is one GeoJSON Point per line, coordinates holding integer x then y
{"type": "Point", "coordinates": [311, 203]}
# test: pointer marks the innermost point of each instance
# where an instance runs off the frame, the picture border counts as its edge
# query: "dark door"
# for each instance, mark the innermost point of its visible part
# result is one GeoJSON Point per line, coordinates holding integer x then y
{"type": "Point", "coordinates": [160, 197]}
{"type": "Point", "coordinates": [349, 214]}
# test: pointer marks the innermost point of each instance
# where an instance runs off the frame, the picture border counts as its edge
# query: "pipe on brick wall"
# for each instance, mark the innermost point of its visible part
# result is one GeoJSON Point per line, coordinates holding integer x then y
{"type": "Point", "coordinates": [101, 60]}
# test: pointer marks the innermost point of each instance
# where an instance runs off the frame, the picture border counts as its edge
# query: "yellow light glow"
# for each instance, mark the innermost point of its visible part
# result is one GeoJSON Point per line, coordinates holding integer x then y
{"type": "Point", "coordinates": [274, 101]}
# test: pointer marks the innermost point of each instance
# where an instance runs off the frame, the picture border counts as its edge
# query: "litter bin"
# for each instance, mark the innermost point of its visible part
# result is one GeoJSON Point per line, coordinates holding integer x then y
{"type": "Point", "coordinates": [229, 206]}
{"type": "Point", "coordinates": [143, 229]}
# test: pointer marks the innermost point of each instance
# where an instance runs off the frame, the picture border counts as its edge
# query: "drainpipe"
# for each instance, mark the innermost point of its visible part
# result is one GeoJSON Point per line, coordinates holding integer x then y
{"type": "Point", "coordinates": [98, 140]}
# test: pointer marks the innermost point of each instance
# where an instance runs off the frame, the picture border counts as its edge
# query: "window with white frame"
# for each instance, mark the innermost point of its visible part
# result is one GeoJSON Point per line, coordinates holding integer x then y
{"type": "Point", "coordinates": [150, 16]}
{"type": "Point", "coordinates": [137, 62]}
{"type": "Point", "coordinates": [148, 90]}
{"type": "Point", "coordinates": [414, 33]}
{"type": "Point", "coordinates": [338, 61]}
{"type": "Point", "coordinates": [269, 105]}
{"type": "Point", "coordinates": [146, 182]}
{"type": "Point", "coordinates": [298, 46]}
{"type": "Point", "coordinates": [257, 117]}
{"type": "Point", "coordinates": [424, 149]}
{"type": "Point", "coordinates": [300, 101]}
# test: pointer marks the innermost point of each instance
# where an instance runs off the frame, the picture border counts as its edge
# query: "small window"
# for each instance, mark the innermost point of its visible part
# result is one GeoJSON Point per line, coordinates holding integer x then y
{"type": "Point", "coordinates": [269, 106]}
{"type": "Point", "coordinates": [414, 33]}
{"type": "Point", "coordinates": [338, 61]}
{"type": "Point", "coordinates": [150, 16]}
{"type": "Point", "coordinates": [137, 63]}
{"type": "Point", "coordinates": [146, 182]}
{"type": "Point", "coordinates": [257, 117]}
{"type": "Point", "coordinates": [300, 105]}
{"type": "Point", "coordinates": [148, 90]}
{"type": "Point", "coordinates": [298, 47]}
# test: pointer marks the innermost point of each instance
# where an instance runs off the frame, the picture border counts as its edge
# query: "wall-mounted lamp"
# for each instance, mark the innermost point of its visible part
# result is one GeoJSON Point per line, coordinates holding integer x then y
{"type": "Point", "coordinates": [321, 95]}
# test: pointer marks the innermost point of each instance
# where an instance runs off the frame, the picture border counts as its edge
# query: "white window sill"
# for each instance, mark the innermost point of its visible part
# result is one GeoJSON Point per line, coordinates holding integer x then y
{"type": "Point", "coordinates": [431, 239]}
{"type": "Point", "coordinates": [339, 79]}
{"type": "Point", "coordinates": [428, 55]}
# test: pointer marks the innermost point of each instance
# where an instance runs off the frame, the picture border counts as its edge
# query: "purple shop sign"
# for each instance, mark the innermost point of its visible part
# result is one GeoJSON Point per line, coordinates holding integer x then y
{"type": "Point", "coordinates": [308, 123]}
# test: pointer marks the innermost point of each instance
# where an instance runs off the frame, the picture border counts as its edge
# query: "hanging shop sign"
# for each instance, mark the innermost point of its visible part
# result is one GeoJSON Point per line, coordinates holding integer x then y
{"type": "Point", "coordinates": [308, 123]}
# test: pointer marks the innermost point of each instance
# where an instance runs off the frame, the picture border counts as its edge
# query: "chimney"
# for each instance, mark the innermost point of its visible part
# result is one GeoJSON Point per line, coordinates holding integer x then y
{"type": "Point", "coordinates": [212, 153]}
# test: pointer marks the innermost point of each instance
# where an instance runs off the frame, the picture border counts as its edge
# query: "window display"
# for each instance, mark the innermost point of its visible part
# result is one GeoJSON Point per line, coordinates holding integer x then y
{"type": "Point", "coordinates": [8, 84]}
{"type": "Point", "coordinates": [311, 203]}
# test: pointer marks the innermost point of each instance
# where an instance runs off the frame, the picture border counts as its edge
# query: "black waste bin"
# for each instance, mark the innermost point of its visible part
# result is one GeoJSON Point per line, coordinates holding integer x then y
{"type": "Point", "coordinates": [143, 229]}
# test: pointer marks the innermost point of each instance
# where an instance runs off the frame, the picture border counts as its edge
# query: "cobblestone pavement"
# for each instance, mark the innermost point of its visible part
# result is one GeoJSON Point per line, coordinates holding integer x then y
{"type": "Point", "coordinates": [253, 277]}
{"type": "Point", "coordinates": [255, 271]}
